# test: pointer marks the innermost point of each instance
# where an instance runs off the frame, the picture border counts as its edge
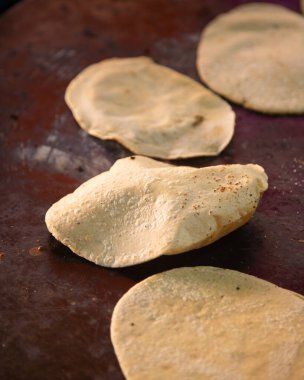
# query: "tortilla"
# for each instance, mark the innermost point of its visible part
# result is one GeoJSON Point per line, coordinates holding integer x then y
{"type": "Point", "coordinates": [207, 323]}
{"type": "Point", "coordinates": [141, 209]}
{"type": "Point", "coordinates": [150, 109]}
{"type": "Point", "coordinates": [253, 55]}
{"type": "Point", "coordinates": [302, 5]}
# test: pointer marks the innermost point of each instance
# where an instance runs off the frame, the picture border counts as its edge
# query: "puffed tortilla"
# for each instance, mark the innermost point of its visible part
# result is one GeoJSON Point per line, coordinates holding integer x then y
{"type": "Point", "coordinates": [253, 55]}
{"type": "Point", "coordinates": [150, 109]}
{"type": "Point", "coordinates": [141, 209]}
{"type": "Point", "coordinates": [207, 323]}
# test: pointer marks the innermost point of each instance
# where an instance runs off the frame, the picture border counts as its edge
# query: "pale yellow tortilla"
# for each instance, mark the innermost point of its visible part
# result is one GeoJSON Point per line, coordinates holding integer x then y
{"type": "Point", "coordinates": [150, 109]}
{"type": "Point", "coordinates": [208, 323]}
{"type": "Point", "coordinates": [141, 209]}
{"type": "Point", "coordinates": [253, 55]}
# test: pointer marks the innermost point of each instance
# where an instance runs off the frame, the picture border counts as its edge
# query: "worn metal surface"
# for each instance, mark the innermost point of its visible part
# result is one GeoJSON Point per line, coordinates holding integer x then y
{"type": "Point", "coordinates": [55, 307]}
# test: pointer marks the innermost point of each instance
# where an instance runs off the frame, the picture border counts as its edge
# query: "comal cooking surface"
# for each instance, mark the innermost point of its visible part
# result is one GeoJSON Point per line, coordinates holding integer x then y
{"type": "Point", "coordinates": [56, 307]}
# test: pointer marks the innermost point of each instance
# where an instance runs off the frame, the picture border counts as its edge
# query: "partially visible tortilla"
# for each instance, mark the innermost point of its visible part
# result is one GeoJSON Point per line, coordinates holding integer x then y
{"type": "Point", "coordinates": [141, 209]}
{"type": "Point", "coordinates": [150, 109]}
{"type": "Point", "coordinates": [207, 323]}
{"type": "Point", "coordinates": [253, 55]}
{"type": "Point", "coordinates": [302, 5]}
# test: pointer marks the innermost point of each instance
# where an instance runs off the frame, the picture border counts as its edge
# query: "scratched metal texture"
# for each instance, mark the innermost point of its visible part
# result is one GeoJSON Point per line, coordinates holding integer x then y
{"type": "Point", "coordinates": [55, 308]}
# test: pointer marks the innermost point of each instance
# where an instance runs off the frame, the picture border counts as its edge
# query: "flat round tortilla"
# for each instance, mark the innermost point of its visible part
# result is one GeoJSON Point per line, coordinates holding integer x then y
{"type": "Point", "coordinates": [141, 209]}
{"type": "Point", "coordinates": [150, 109]}
{"type": "Point", "coordinates": [253, 55]}
{"type": "Point", "coordinates": [208, 323]}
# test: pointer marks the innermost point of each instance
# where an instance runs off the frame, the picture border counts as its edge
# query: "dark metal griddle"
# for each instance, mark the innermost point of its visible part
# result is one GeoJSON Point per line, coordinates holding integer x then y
{"type": "Point", "coordinates": [55, 308]}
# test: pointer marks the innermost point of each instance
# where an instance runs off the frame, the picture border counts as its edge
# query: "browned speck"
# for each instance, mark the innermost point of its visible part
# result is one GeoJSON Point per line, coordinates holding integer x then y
{"type": "Point", "coordinates": [36, 251]}
{"type": "Point", "coordinates": [2, 254]}
{"type": "Point", "coordinates": [132, 158]}
{"type": "Point", "coordinates": [197, 120]}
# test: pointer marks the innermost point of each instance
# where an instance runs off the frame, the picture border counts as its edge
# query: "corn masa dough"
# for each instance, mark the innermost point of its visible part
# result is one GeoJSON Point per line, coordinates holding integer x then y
{"type": "Point", "coordinates": [253, 55]}
{"type": "Point", "coordinates": [207, 323]}
{"type": "Point", "coordinates": [150, 109]}
{"type": "Point", "coordinates": [141, 209]}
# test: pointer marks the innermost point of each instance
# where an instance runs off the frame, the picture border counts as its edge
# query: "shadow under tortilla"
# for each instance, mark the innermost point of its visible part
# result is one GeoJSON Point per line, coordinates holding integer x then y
{"type": "Point", "coordinates": [235, 251]}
